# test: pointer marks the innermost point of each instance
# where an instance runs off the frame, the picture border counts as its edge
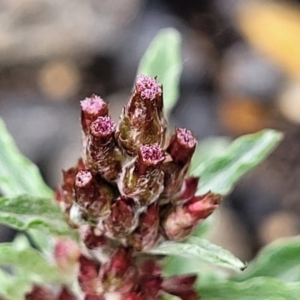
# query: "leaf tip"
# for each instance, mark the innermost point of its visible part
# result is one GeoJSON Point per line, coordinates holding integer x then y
{"type": "Point", "coordinates": [244, 267]}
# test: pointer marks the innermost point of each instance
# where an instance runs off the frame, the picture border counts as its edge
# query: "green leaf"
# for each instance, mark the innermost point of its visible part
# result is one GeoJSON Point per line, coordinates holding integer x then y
{"type": "Point", "coordinates": [221, 172]}
{"type": "Point", "coordinates": [44, 242]}
{"type": "Point", "coordinates": [208, 149]}
{"type": "Point", "coordinates": [259, 288]}
{"type": "Point", "coordinates": [17, 174]}
{"type": "Point", "coordinates": [199, 249]}
{"type": "Point", "coordinates": [13, 287]}
{"type": "Point", "coordinates": [29, 261]}
{"type": "Point", "coordinates": [204, 227]}
{"type": "Point", "coordinates": [25, 212]}
{"type": "Point", "coordinates": [163, 59]}
{"type": "Point", "coordinates": [21, 241]}
{"type": "Point", "coordinates": [280, 259]}
{"type": "Point", "coordinates": [206, 272]}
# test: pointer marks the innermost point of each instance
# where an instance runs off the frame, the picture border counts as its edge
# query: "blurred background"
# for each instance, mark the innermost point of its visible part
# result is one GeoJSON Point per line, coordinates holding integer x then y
{"type": "Point", "coordinates": [241, 73]}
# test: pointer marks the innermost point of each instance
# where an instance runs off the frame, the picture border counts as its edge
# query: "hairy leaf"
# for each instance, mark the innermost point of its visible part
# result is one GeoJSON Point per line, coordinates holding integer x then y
{"type": "Point", "coordinates": [25, 212]}
{"type": "Point", "coordinates": [200, 249]}
{"type": "Point", "coordinates": [262, 288]}
{"type": "Point", "coordinates": [208, 149]}
{"type": "Point", "coordinates": [221, 172]}
{"type": "Point", "coordinates": [13, 287]}
{"type": "Point", "coordinates": [280, 260]}
{"type": "Point", "coordinates": [163, 59]}
{"type": "Point", "coordinates": [17, 174]}
{"type": "Point", "coordinates": [29, 261]}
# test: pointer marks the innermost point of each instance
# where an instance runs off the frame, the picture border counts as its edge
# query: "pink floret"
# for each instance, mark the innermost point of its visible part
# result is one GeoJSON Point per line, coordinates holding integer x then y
{"type": "Point", "coordinates": [148, 87]}
{"type": "Point", "coordinates": [92, 105]}
{"type": "Point", "coordinates": [186, 137]}
{"type": "Point", "coordinates": [103, 126]}
{"type": "Point", "coordinates": [152, 153]}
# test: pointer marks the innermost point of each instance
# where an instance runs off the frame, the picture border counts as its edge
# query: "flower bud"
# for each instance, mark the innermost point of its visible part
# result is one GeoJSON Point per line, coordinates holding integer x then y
{"type": "Point", "coordinates": [150, 267]}
{"type": "Point", "coordinates": [66, 254]}
{"type": "Point", "coordinates": [132, 296]}
{"type": "Point", "coordinates": [150, 279]}
{"type": "Point", "coordinates": [151, 286]}
{"type": "Point", "coordinates": [181, 148]}
{"type": "Point", "coordinates": [65, 294]}
{"type": "Point", "coordinates": [91, 109]}
{"type": "Point", "coordinates": [68, 182]}
{"type": "Point", "coordinates": [40, 293]}
{"type": "Point", "coordinates": [92, 196]}
{"type": "Point", "coordinates": [143, 179]}
{"type": "Point", "coordinates": [122, 219]}
{"type": "Point", "coordinates": [203, 206]}
{"type": "Point", "coordinates": [97, 245]}
{"type": "Point", "coordinates": [119, 274]}
{"type": "Point", "coordinates": [93, 239]}
{"type": "Point", "coordinates": [58, 196]}
{"type": "Point", "coordinates": [65, 194]}
{"type": "Point", "coordinates": [180, 221]}
{"type": "Point", "coordinates": [190, 188]}
{"type": "Point", "coordinates": [146, 234]}
{"type": "Point", "coordinates": [181, 286]}
{"type": "Point", "coordinates": [142, 119]}
{"type": "Point", "coordinates": [88, 276]}
{"type": "Point", "coordinates": [102, 155]}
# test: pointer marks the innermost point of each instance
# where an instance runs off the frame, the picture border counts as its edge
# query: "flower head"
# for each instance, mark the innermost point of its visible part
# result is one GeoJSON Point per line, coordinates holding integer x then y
{"type": "Point", "coordinates": [131, 193]}
{"type": "Point", "coordinates": [91, 109]}
{"type": "Point", "coordinates": [142, 121]}
{"type": "Point", "coordinates": [147, 87]}
{"type": "Point", "coordinates": [102, 127]}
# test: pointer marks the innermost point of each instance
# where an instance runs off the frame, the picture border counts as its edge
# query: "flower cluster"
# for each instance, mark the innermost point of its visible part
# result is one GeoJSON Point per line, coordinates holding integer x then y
{"type": "Point", "coordinates": [128, 193]}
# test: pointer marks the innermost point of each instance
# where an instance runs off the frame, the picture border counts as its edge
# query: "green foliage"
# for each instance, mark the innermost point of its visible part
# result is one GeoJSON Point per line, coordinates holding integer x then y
{"type": "Point", "coordinates": [199, 249]}
{"type": "Point", "coordinates": [258, 288]}
{"type": "Point", "coordinates": [27, 205]}
{"type": "Point", "coordinates": [163, 59]}
{"type": "Point", "coordinates": [18, 175]}
{"type": "Point", "coordinates": [281, 260]}
{"type": "Point", "coordinates": [274, 274]}
{"type": "Point", "coordinates": [208, 149]}
{"type": "Point", "coordinates": [13, 287]}
{"type": "Point", "coordinates": [221, 172]}
{"type": "Point", "coordinates": [30, 261]}
{"type": "Point", "coordinates": [25, 212]}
